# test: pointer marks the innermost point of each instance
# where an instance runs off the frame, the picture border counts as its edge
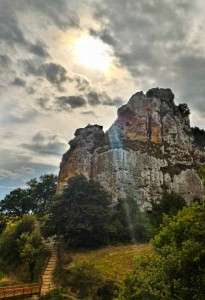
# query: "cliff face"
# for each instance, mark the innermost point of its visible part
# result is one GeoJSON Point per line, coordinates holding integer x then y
{"type": "Point", "coordinates": [149, 148]}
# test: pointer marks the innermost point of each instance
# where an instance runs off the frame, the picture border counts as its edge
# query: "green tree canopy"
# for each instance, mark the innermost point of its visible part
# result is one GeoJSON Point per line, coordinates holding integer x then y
{"type": "Point", "coordinates": [177, 269]}
{"type": "Point", "coordinates": [34, 199]}
{"type": "Point", "coordinates": [17, 203]}
{"type": "Point", "coordinates": [81, 214]}
{"type": "Point", "coordinates": [42, 191]}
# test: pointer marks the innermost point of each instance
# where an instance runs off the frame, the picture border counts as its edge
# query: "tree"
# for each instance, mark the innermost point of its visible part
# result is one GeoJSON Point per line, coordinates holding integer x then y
{"type": "Point", "coordinates": [21, 242]}
{"type": "Point", "coordinates": [177, 269]}
{"type": "Point", "coordinates": [81, 214]}
{"type": "Point", "coordinates": [30, 246]}
{"type": "Point", "coordinates": [42, 191]}
{"type": "Point", "coordinates": [169, 204]}
{"type": "Point", "coordinates": [34, 199]}
{"type": "Point", "coordinates": [17, 203]}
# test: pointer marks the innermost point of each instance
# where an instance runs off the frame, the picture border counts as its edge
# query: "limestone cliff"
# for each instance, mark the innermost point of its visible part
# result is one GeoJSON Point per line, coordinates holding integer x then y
{"type": "Point", "coordinates": [149, 148]}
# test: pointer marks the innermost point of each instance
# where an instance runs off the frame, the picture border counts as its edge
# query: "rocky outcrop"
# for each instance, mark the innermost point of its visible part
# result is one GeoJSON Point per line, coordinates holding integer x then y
{"type": "Point", "coordinates": [149, 148]}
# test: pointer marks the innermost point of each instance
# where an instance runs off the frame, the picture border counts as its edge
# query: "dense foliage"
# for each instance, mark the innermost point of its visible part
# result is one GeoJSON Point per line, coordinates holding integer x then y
{"type": "Point", "coordinates": [177, 269]}
{"type": "Point", "coordinates": [169, 204]}
{"type": "Point", "coordinates": [21, 242]}
{"type": "Point", "coordinates": [81, 214]}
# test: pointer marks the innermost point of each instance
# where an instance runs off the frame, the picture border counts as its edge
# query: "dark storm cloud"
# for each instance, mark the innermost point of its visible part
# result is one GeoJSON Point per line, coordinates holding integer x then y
{"type": "Point", "coordinates": [95, 98]}
{"type": "Point", "coordinates": [54, 73]}
{"type": "Point", "coordinates": [81, 83]}
{"type": "Point", "coordinates": [45, 144]}
{"type": "Point", "coordinates": [39, 49]}
{"type": "Point", "coordinates": [113, 102]}
{"type": "Point", "coordinates": [68, 102]}
{"type": "Point", "coordinates": [19, 82]}
{"type": "Point", "coordinates": [4, 61]}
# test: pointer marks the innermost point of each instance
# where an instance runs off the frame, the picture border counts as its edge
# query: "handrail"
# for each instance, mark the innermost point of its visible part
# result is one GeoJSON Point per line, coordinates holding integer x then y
{"type": "Point", "coordinates": [32, 290]}
{"type": "Point", "coordinates": [24, 289]}
{"type": "Point", "coordinates": [7, 287]}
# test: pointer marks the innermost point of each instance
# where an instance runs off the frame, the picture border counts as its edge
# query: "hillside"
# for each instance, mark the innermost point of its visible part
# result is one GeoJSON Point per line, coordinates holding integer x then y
{"type": "Point", "coordinates": [112, 262]}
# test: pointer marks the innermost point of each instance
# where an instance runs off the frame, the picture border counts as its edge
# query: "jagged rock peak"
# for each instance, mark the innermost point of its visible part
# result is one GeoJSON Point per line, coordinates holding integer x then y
{"type": "Point", "coordinates": [148, 149]}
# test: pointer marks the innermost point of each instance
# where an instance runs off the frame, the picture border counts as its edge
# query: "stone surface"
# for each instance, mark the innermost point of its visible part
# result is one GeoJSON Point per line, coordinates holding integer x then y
{"type": "Point", "coordinates": [148, 149]}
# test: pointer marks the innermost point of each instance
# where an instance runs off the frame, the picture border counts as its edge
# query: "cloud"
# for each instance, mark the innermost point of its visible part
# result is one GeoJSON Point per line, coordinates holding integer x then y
{"type": "Point", "coordinates": [68, 102]}
{"type": "Point", "coordinates": [39, 49]}
{"type": "Point", "coordinates": [23, 116]}
{"type": "Point", "coordinates": [19, 82]}
{"type": "Point", "coordinates": [89, 113]}
{"type": "Point", "coordinates": [52, 12]}
{"type": "Point", "coordinates": [56, 12]}
{"type": "Point", "coordinates": [96, 98]}
{"type": "Point", "coordinates": [54, 73]}
{"type": "Point", "coordinates": [45, 143]}
{"type": "Point", "coordinates": [23, 171]}
{"type": "Point", "coordinates": [5, 61]}
{"type": "Point", "coordinates": [159, 42]}
{"type": "Point", "coordinates": [9, 25]}
{"type": "Point", "coordinates": [104, 35]}
{"type": "Point", "coordinates": [82, 84]}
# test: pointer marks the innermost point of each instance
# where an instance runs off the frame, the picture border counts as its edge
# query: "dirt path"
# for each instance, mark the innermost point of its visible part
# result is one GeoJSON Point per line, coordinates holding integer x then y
{"type": "Point", "coordinates": [47, 277]}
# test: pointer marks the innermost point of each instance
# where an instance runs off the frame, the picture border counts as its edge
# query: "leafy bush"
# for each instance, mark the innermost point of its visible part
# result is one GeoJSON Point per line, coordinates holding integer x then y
{"type": "Point", "coordinates": [177, 269]}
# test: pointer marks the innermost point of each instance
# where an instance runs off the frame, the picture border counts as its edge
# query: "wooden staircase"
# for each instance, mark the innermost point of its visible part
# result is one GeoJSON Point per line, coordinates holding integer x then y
{"type": "Point", "coordinates": [47, 283]}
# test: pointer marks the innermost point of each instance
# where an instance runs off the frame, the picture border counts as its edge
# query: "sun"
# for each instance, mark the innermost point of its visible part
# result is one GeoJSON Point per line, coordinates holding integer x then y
{"type": "Point", "coordinates": [92, 53]}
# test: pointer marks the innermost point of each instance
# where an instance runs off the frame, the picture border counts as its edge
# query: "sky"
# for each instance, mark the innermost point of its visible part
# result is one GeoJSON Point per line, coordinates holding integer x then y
{"type": "Point", "coordinates": [67, 63]}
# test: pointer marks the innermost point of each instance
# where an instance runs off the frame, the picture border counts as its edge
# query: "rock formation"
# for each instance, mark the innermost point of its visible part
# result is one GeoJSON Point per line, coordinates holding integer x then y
{"type": "Point", "coordinates": [150, 148]}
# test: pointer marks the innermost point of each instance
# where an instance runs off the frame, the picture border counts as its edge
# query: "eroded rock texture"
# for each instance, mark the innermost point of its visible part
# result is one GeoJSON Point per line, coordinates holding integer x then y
{"type": "Point", "coordinates": [149, 148]}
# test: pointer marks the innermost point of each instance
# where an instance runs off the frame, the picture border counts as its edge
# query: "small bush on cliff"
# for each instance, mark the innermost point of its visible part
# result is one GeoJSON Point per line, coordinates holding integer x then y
{"type": "Point", "coordinates": [81, 214]}
{"type": "Point", "coordinates": [177, 269]}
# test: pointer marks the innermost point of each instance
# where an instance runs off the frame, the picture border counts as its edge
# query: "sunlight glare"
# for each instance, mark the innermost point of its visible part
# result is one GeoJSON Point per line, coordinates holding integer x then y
{"type": "Point", "coordinates": [92, 53]}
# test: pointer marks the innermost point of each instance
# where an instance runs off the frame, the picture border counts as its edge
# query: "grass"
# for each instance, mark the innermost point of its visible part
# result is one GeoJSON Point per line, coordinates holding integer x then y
{"type": "Point", "coordinates": [112, 262]}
